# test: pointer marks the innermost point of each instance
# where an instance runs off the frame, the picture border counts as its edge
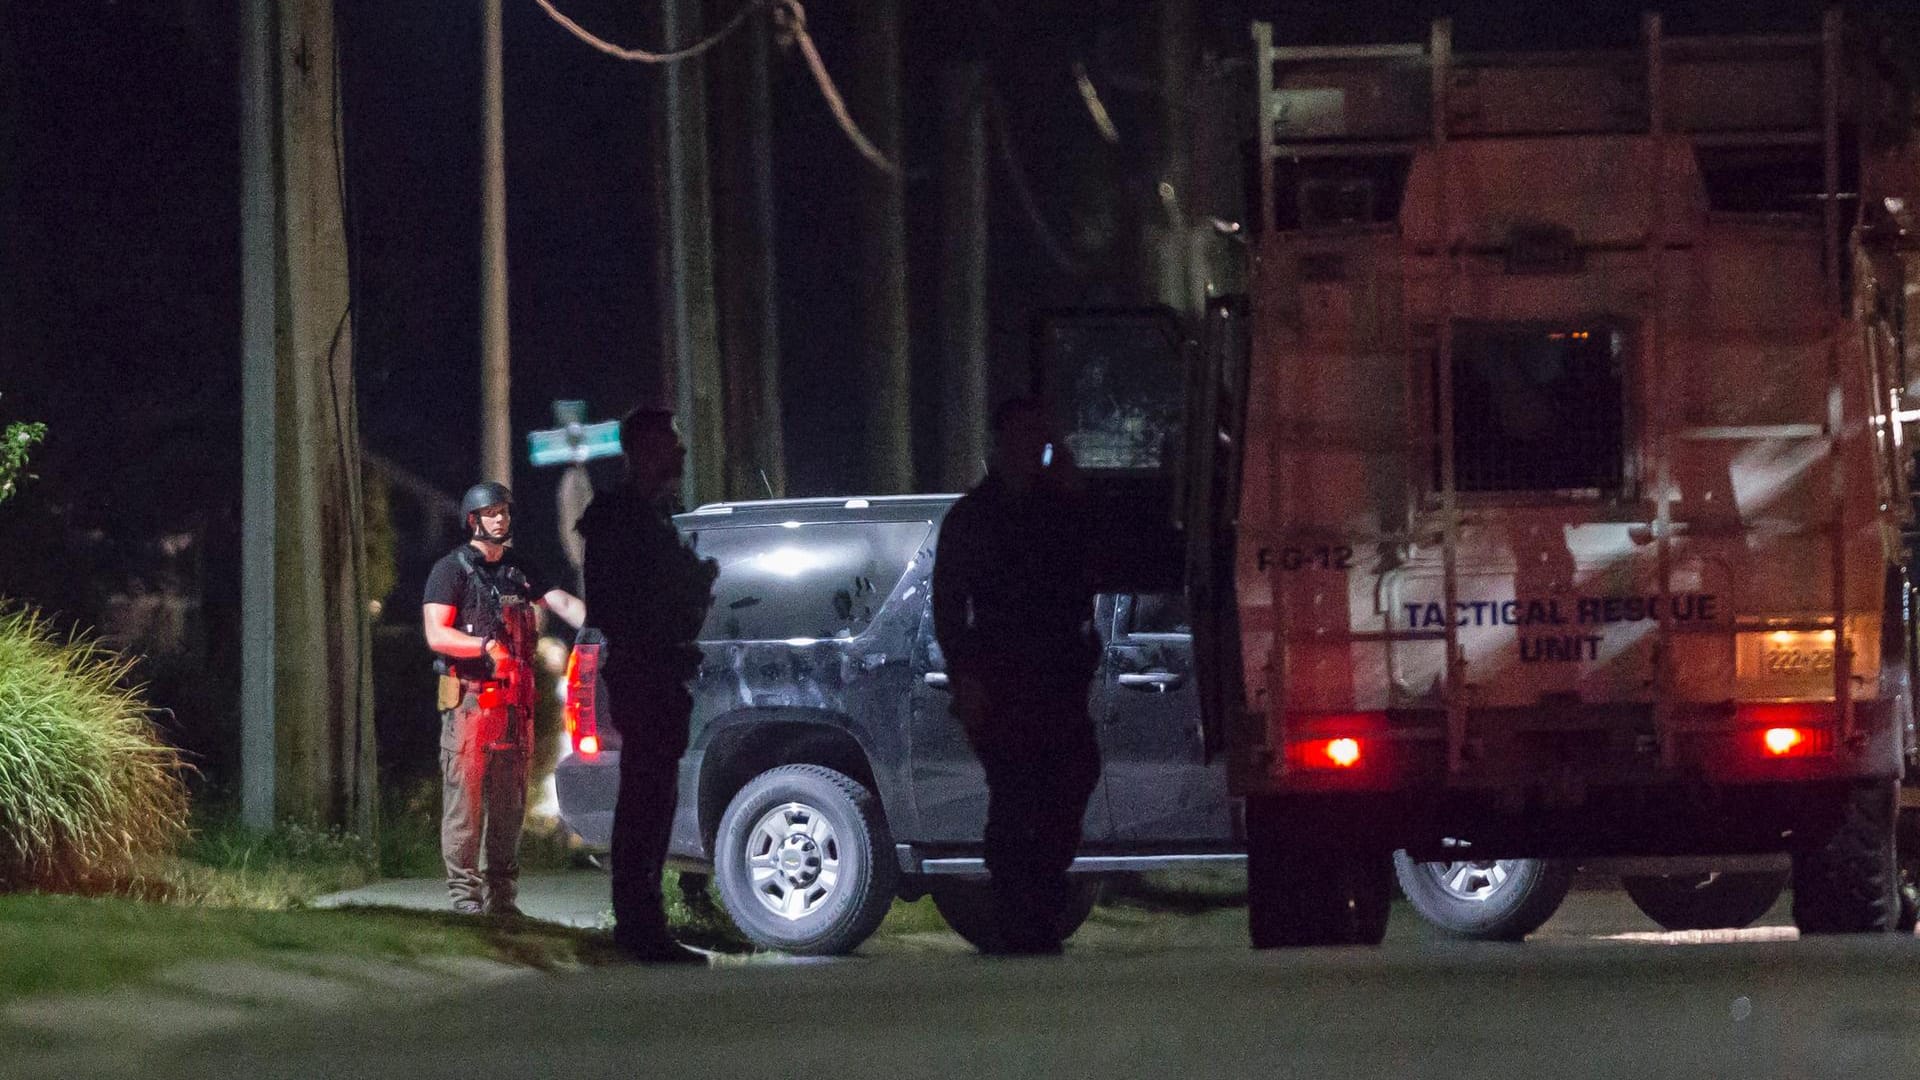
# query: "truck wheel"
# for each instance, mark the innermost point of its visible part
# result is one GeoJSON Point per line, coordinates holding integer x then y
{"type": "Point", "coordinates": [1712, 901]}
{"type": "Point", "coordinates": [967, 905]}
{"type": "Point", "coordinates": [1850, 883]}
{"type": "Point", "coordinates": [1487, 900]}
{"type": "Point", "coordinates": [804, 861]}
{"type": "Point", "coordinates": [1300, 892]}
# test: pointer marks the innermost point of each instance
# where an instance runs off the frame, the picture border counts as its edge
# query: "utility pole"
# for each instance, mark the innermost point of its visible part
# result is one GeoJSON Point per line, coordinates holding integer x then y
{"type": "Point", "coordinates": [496, 402]}
{"type": "Point", "coordinates": [885, 357]}
{"type": "Point", "coordinates": [746, 273]}
{"type": "Point", "coordinates": [963, 278]}
{"type": "Point", "coordinates": [688, 323]}
{"type": "Point", "coordinates": [307, 743]}
{"type": "Point", "coordinates": [258, 239]}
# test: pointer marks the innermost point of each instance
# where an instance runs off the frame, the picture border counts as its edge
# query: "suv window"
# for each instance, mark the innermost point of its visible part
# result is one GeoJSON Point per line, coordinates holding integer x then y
{"type": "Point", "coordinates": [1156, 613]}
{"type": "Point", "coordinates": [805, 581]}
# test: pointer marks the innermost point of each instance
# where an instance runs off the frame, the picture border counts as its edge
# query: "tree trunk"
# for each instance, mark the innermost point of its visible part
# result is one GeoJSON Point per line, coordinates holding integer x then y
{"type": "Point", "coordinates": [746, 274]}
{"type": "Point", "coordinates": [874, 88]}
{"type": "Point", "coordinates": [963, 279]}
{"type": "Point", "coordinates": [689, 320]}
{"type": "Point", "coordinates": [1167, 233]}
{"type": "Point", "coordinates": [322, 739]}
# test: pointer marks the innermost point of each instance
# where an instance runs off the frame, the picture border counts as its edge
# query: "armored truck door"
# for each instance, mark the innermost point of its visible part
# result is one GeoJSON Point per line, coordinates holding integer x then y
{"type": "Point", "coordinates": [1115, 380]}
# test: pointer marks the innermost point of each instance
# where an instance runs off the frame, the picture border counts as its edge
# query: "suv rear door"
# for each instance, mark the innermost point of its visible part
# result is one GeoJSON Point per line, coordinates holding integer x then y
{"type": "Point", "coordinates": [949, 787]}
{"type": "Point", "coordinates": [1160, 786]}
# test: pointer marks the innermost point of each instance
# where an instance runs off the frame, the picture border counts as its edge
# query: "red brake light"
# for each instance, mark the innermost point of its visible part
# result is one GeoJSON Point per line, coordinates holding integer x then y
{"type": "Point", "coordinates": [1793, 742]}
{"type": "Point", "coordinates": [1344, 753]}
{"type": "Point", "coordinates": [1781, 741]}
{"type": "Point", "coordinates": [1786, 729]}
{"type": "Point", "coordinates": [583, 728]}
{"type": "Point", "coordinates": [1331, 741]}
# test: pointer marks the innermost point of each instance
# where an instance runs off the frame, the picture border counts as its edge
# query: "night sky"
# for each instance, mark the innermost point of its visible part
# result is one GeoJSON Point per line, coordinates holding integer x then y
{"type": "Point", "coordinates": [119, 190]}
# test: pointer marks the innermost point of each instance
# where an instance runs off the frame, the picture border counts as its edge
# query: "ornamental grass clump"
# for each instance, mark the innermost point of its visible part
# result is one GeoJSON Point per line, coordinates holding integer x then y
{"type": "Point", "coordinates": [88, 789]}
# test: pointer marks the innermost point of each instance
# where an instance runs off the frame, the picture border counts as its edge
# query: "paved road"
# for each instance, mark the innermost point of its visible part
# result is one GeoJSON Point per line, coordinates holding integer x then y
{"type": "Point", "coordinates": [1598, 994]}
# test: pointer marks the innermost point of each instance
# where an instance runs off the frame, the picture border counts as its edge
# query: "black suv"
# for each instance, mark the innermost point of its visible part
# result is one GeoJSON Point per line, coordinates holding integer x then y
{"type": "Point", "coordinates": [825, 775]}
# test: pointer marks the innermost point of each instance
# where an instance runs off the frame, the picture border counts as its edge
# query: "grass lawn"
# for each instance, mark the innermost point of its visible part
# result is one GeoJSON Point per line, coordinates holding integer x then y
{"type": "Point", "coordinates": [67, 944]}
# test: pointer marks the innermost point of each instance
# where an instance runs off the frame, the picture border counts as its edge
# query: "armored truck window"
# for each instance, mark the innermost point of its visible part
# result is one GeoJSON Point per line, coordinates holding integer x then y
{"type": "Point", "coordinates": [805, 581]}
{"type": "Point", "coordinates": [1537, 409]}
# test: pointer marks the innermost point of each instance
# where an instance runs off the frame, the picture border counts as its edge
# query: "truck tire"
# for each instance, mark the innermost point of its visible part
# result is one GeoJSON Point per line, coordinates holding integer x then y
{"type": "Point", "coordinates": [804, 861]}
{"type": "Point", "coordinates": [967, 905]}
{"type": "Point", "coordinates": [1850, 883]}
{"type": "Point", "coordinates": [1488, 900]}
{"type": "Point", "coordinates": [1712, 901]}
{"type": "Point", "coordinates": [1303, 889]}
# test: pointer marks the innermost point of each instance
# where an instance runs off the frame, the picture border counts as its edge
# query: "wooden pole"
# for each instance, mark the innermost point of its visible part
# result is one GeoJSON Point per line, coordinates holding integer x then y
{"type": "Point", "coordinates": [963, 279]}
{"type": "Point", "coordinates": [874, 85]}
{"type": "Point", "coordinates": [689, 319]}
{"type": "Point", "coordinates": [746, 275]}
{"type": "Point", "coordinates": [496, 401]}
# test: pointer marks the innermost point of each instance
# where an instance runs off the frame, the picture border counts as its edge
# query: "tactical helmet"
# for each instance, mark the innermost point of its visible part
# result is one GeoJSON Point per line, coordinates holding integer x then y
{"type": "Point", "coordinates": [478, 498]}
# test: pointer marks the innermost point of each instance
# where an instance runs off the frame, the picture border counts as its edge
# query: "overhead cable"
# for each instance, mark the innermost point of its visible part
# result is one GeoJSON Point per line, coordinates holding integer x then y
{"type": "Point", "coordinates": [791, 20]}
{"type": "Point", "coordinates": [644, 56]}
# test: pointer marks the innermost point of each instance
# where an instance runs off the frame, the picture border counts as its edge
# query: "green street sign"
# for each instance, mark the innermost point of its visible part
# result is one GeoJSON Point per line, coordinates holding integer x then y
{"type": "Point", "coordinates": [574, 443]}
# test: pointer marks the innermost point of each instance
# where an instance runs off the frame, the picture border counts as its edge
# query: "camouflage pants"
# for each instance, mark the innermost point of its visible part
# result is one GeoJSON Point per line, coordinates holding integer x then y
{"type": "Point", "coordinates": [484, 757]}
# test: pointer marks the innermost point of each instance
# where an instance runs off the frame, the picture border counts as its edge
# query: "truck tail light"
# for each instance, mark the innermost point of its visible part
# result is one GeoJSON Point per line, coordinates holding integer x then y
{"type": "Point", "coordinates": [583, 676]}
{"type": "Point", "coordinates": [1786, 729]}
{"type": "Point", "coordinates": [1337, 741]}
{"type": "Point", "coordinates": [1343, 753]}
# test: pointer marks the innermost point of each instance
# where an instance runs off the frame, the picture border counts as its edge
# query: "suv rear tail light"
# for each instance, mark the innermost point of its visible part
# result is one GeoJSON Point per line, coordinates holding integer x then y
{"type": "Point", "coordinates": [583, 677]}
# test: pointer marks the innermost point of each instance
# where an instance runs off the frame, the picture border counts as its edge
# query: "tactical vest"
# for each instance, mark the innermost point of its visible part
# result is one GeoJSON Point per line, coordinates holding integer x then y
{"type": "Point", "coordinates": [494, 602]}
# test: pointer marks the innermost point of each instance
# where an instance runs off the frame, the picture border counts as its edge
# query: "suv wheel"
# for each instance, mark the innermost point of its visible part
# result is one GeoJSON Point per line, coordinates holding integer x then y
{"type": "Point", "coordinates": [1307, 891]}
{"type": "Point", "coordinates": [1850, 883]}
{"type": "Point", "coordinates": [967, 905]}
{"type": "Point", "coordinates": [1705, 901]}
{"type": "Point", "coordinates": [1486, 899]}
{"type": "Point", "coordinates": [804, 861]}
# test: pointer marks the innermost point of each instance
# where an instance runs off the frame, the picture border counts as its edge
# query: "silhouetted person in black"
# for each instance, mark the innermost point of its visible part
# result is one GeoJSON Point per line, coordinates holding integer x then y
{"type": "Point", "coordinates": [653, 593]}
{"type": "Point", "coordinates": [1013, 612]}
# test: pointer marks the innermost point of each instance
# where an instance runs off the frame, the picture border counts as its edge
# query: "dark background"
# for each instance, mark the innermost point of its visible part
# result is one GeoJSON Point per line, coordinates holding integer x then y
{"type": "Point", "coordinates": [119, 276]}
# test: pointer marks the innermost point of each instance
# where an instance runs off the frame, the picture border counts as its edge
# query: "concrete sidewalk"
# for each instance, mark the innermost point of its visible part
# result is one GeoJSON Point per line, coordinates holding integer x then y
{"type": "Point", "coordinates": [569, 897]}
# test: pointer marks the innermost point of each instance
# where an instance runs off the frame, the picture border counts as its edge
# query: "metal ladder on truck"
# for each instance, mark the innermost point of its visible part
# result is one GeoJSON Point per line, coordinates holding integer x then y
{"type": "Point", "coordinates": [1663, 428]}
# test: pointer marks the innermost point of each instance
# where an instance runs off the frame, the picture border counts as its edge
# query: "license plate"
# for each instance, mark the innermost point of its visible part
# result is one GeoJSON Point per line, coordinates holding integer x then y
{"type": "Point", "coordinates": [1787, 658]}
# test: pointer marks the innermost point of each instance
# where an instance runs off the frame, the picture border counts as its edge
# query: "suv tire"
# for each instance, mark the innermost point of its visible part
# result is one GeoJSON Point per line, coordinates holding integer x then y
{"type": "Point", "coordinates": [1850, 883]}
{"type": "Point", "coordinates": [1713, 901]}
{"type": "Point", "coordinates": [1486, 900]}
{"type": "Point", "coordinates": [967, 905]}
{"type": "Point", "coordinates": [804, 861]}
{"type": "Point", "coordinates": [1304, 892]}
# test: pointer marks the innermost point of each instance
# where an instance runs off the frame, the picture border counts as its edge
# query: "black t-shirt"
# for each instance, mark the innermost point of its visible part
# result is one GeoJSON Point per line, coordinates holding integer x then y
{"type": "Point", "coordinates": [464, 580]}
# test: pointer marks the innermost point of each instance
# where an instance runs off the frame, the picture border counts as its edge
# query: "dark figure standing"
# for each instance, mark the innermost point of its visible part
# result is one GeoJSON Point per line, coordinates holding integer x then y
{"type": "Point", "coordinates": [1013, 611]}
{"type": "Point", "coordinates": [478, 616]}
{"type": "Point", "coordinates": [652, 595]}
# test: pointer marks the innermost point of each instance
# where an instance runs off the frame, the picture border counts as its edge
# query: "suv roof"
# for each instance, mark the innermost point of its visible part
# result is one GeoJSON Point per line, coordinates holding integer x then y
{"type": "Point", "coordinates": [869, 507]}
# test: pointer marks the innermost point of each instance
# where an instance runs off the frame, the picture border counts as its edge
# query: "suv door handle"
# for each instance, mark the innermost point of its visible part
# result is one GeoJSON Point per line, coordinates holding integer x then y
{"type": "Point", "coordinates": [935, 679]}
{"type": "Point", "coordinates": [1161, 681]}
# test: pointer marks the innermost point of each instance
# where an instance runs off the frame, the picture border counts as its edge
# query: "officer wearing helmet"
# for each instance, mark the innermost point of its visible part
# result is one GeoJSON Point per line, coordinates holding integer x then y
{"type": "Point", "coordinates": [479, 621]}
